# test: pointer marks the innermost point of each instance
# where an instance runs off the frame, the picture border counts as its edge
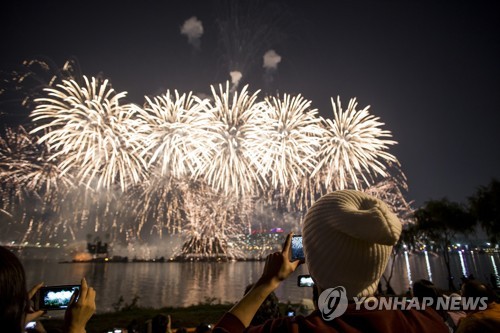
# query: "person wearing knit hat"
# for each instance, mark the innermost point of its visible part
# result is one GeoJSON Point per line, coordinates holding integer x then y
{"type": "Point", "coordinates": [348, 237]}
{"type": "Point", "coordinates": [352, 230]}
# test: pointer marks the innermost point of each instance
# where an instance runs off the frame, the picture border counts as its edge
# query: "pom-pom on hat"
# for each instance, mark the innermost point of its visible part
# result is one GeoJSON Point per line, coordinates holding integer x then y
{"type": "Point", "coordinates": [348, 237]}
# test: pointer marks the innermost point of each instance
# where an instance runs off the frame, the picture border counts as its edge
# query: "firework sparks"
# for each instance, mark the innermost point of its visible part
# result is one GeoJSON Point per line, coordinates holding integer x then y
{"type": "Point", "coordinates": [390, 190]}
{"type": "Point", "coordinates": [92, 132]}
{"type": "Point", "coordinates": [354, 147]}
{"type": "Point", "coordinates": [215, 221]}
{"type": "Point", "coordinates": [293, 138]}
{"type": "Point", "coordinates": [173, 128]}
{"type": "Point", "coordinates": [180, 164]}
{"type": "Point", "coordinates": [32, 186]}
{"type": "Point", "coordinates": [235, 139]}
{"type": "Point", "coordinates": [23, 85]}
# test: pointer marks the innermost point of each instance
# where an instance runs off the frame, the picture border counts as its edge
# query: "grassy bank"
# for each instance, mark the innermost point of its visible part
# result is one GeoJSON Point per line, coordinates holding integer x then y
{"type": "Point", "coordinates": [188, 317]}
{"type": "Point", "coordinates": [181, 317]}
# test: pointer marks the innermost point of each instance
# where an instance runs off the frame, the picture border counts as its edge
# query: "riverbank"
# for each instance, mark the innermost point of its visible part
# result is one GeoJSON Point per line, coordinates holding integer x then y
{"type": "Point", "coordinates": [188, 317]}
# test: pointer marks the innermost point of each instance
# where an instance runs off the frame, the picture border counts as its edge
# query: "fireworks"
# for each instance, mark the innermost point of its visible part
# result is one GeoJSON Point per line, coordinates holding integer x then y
{"type": "Point", "coordinates": [173, 130]}
{"type": "Point", "coordinates": [202, 168]}
{"type": "Point", "coordinates": [293, 138]}
{"type": "Point", "coordinates": [354, 149]}
{"type": "Point", "coordinates": [235, 141]}
{"type": "Point", "coordinates": [29, 179]}
{"type": "Point", "coordinates": [90, 131]}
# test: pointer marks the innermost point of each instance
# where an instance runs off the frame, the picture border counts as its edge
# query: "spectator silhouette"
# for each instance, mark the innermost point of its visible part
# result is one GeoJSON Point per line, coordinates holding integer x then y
{"type": "Point", "coordinates": [484, 320]}
{"type": "Point", "coordinates": [268, 310]}
{"type": "Point", "coordinates": [160, 323]}
{"type": "Point", "coordinates": [203, 328]}
{"type": "Point", "coordinates": [15, 309]}
{"type": "Point", "coordinates": [424, 290]}
{"type": "Point", "coordinates": [348, 237]}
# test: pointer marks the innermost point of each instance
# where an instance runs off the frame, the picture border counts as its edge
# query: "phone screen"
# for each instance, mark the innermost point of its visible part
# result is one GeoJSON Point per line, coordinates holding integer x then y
{"type": "Point", "coordinates": [31, 325]}
{"type": "Point", "coordinates": [297, 249]}
{"type": "Point", "coordinates": [56, 297]}
{"type": "Point", "coordinates": [305, 281]}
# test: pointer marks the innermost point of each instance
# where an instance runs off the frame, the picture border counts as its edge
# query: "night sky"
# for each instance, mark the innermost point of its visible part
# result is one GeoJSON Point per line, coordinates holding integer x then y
{"type": "Point", "coordinates": [430, 69]}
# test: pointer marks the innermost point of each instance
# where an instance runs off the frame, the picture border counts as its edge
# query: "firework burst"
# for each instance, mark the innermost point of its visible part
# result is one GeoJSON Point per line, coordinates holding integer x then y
{"type": "Point", "coordinates": [20, 87]}
{"type": "Point", "coordinates": [216, 222]}
{"type": "Point", "coordinates": [32, 185]}
{"type": "Point", "coordinates": [174, 127]}
{"type": "Point", "coordinates": [235, 141]}
{"type": "Point", "coordinates": [293, 137]}
{"type": "Point", "coordinates": [354, 148]}
{"type": "Point", "coordinates": [391, 190]}
{"type": "Point", "coordinates": [95, 136]}
{"type": "Point", "coordinates": [200, 168]}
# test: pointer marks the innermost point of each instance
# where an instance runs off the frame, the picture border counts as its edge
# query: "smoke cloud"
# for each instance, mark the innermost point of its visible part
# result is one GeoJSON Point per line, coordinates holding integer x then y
{"type": "Point", "coordinates": [193, 29]}
{"type": "Point", "coordinates": [235, 79]}
{"type": "Point", "coordinates": [271, 60]}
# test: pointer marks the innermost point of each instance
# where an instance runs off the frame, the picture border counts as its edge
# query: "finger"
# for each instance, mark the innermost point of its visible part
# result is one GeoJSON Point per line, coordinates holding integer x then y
{"type": "Point", "coordinates": [288, 243]}
{"type": "Point", "coordinates": [33, 290]}
{"type": "Point", "coordinates": [84, 289]}
{"type": "Point", "coordinates": [296, 264]}
{"type": "Point", "coordinates": [34, 315]}
{"type": "Point", "coordinates": [91, 295]}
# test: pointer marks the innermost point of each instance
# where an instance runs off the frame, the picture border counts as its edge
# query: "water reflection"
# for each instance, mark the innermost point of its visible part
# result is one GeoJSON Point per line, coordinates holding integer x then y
{"type": "Point", "coordinates": [183, 284]}
{"type": "Point", "coordinates": [494, 265]}
{"type": "Point", "coordinates": [462, 263]}
{"type": "Point", "coordinates": [408, 269]}
{"type": "Point", "coordinates": [428, 265]}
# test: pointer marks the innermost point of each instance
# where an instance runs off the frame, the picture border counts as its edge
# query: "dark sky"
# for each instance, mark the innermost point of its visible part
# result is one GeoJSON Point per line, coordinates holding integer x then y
{"type": "Point", "coordinates": [430, 69]}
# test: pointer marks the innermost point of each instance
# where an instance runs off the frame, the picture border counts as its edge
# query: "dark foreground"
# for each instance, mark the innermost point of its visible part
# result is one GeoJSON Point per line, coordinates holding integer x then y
{"type": "Point", "coordinates": [188, 317]}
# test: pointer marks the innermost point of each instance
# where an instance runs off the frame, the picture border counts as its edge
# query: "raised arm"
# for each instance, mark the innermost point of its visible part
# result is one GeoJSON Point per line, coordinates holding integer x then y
{"type": "Point", "coordinates": [277, 268]}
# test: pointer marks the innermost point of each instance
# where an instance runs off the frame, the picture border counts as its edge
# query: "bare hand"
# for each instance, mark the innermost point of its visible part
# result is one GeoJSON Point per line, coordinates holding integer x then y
{"type": "Point", "coordinates": [33, 315]}
{"type": "Point", "coordinates": [78, 313]}
{"type": "Point", "coordinates": [278, 265]}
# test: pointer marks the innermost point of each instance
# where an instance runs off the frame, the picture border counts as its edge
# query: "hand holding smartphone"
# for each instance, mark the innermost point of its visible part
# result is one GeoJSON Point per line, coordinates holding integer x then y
{"type": "Point", "coordinates": [55, 297]}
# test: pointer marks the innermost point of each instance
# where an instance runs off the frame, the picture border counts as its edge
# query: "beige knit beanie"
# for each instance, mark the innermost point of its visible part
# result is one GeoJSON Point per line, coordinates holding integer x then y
{"type": "Point", "coordinates": [348, 237]}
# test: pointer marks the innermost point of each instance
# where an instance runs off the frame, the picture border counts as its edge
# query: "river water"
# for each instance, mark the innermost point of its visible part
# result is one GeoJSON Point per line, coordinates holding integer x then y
{"type": "Point", "coordinates": [183, 284]}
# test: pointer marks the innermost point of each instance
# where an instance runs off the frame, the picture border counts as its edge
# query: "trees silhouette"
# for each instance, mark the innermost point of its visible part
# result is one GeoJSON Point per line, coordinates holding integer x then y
{"type": "Point", "coordinates": [441, 220]}
{"type": "Point", "coordinates": [485, 207]}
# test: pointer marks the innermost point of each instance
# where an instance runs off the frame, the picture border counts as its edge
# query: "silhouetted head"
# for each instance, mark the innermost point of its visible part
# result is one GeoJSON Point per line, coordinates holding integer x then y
{"type": "Point", "coordinates": [474, 288]}
{"type": "Point", "coordinates": [159, 323]}
{"type": "Point", "coordinates": [203, 328]}
{"type": "Point", "coordinates": [268, 310]}
{"type": "Point", "coordinates": [13, 295]}
{"type": "Point", "coordinates": [425, 288]}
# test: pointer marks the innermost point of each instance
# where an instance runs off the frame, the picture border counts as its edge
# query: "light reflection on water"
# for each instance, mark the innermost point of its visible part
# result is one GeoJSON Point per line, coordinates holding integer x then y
{"type": "Point", "coordinates": [183, 284]}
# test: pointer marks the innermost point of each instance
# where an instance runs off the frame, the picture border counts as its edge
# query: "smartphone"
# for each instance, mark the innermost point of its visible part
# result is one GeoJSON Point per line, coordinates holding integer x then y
{"type": "Point", "coordinates": [305, 281]}
{"type": "Point", "coordinates": [31, 325]}
{"type": "Point", "coordinates": [55, 297]}
{"type": "Point", "coordinates": [297, 249]}
{"type": "Point", "coordinates": [290, 313]}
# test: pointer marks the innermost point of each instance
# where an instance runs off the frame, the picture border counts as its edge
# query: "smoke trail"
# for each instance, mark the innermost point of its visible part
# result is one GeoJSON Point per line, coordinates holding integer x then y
{"type": "Point", "coordinates": [193, 29]}
{"type": "Point", "coordinates": [235, 79]}
{"type": "Point", "coordinates": [271, 61]}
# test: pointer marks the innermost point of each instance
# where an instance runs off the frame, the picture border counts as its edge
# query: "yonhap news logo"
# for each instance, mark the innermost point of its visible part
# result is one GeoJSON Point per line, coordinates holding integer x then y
{"type": "Point", "coordinates": [332, 303]}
